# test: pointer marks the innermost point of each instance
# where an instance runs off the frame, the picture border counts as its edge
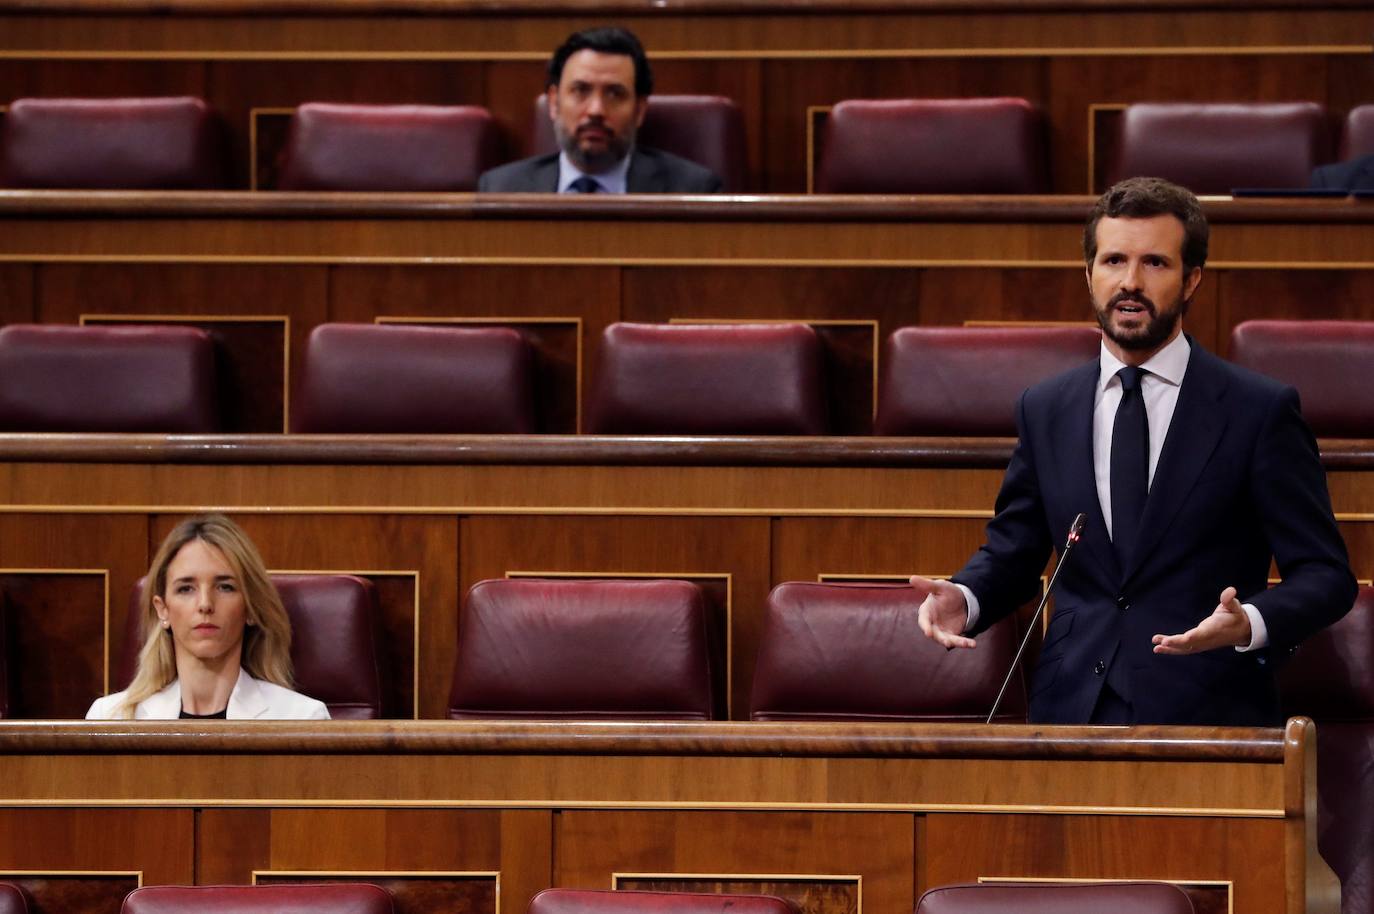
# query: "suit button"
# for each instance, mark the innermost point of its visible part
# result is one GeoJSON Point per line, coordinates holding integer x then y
{"type": "Point", "coordinates": [1122, 603]}
{"type": "Point", "coordinates": [1099, 667]}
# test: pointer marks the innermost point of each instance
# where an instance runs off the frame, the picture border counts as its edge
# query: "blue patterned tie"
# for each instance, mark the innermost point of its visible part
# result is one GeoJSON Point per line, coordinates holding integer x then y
{"type": "Point", "coordinates": [585, 185]}
{"type": "Point", "coordinates": [1130, 464]}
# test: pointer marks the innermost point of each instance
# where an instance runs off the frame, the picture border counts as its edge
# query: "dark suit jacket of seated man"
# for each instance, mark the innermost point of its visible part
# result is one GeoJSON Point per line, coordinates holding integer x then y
{"type": "Point", "coordinates": [1356, 174]}
{"type": "Point", "coordinates": [597, 87]}
{"type": "Point", "coordinates": [1134, 637]}
{"type": "Point", "coordinates": [652, 171]}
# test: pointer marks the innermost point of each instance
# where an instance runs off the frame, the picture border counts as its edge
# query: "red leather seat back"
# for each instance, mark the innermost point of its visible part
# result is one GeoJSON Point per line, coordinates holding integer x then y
{"type": "Point", "coordinates": [333, 640]}
{"type": "Point", "coordinates": [709, 379]}
{"type": "Point", "coordinates": [1056, 897]}
{"type": "Point", "coordinates": [855, 652]}
{"type": "Point", "coordinates": [591, 901]}
{"type": "Point", "coordinates": [583, 649]}
{"type": "Point", "coordinates": [1357, 138]}
{"type": "Point", "coordinates": [966, 380]}
{"type": "Point", "coordinates": [115, 143]}
{"type": "Point", "coordinates": [933, 146]}
{"type": "Point", "coordinates": [334, 898]}
{"type": "Point", "coordinates": [1325, 360]}
{"type": "Point", "coordinates": [1331, 680]}
{"type": "Point", "coordinates": [402, 379]}
{"type": "Point", "coordinates": [706, 129]}
{"type": "Point", "coordinates": [1214, 148]}
{"type": "Point", "coordinates": [56, 378]}
{"type": "Point", "coordinates": [12, 899]}
{"type": "Point", "coordinates": [388, 147]}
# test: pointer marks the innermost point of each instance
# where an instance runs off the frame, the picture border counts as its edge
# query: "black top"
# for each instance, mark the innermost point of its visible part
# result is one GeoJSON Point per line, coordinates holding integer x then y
{"type": "Point", "coordinates": [218, 715]}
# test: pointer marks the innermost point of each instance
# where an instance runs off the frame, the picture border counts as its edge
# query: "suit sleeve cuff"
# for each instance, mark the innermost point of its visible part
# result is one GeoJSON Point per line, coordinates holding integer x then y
{"type": "Point", "coordinates": [1259, 634]}
{"type": "Point", "coordinates": [970, 606]}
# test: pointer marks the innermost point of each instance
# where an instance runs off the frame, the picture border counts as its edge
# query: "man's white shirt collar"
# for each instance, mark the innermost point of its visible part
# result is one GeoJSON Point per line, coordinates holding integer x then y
{"type": "Point", "coordinates": [614, 181]}
{"type": "Point", "coordinates": [1168, 364]}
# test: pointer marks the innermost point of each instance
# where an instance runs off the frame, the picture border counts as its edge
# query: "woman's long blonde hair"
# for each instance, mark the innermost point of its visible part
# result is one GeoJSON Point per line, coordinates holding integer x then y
{"type": "Point", "coordinates": [266, 636]}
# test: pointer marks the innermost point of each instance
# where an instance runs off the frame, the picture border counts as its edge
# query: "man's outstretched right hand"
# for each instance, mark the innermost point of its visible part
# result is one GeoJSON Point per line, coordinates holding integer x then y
{"type": "Point", "coordinates": [944, 614]}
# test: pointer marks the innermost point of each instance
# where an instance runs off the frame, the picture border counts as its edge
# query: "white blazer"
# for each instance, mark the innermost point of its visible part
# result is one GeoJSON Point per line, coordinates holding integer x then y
{"type": "Point", "coordinates": [251, 699]}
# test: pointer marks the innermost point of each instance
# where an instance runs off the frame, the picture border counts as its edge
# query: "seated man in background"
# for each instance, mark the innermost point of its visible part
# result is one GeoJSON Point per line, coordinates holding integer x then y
{"type": "Point", "coordinates": [598, 91]}
{"type": "Point", "coordinates": [1355, 174]}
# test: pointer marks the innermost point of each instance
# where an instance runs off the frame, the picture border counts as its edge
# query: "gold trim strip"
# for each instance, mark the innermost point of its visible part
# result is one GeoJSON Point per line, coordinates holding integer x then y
{"type": "Point", "coordinates": [502, 511]}
{"type": "Point", "coordinates": [1178, 811]}
{"type": "Point", "coordinates": [876, 263]}
{"type": "Point", "coordinates": [708, 54]}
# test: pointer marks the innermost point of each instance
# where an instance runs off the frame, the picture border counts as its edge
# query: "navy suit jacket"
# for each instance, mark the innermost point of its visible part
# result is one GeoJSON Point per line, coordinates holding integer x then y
{"type": "Point", "coordinates": [1238, 482]}
{"type": "Point", "coordinates": [652, 171]}
{"type": "Point", "coordinates": [1357, 174]}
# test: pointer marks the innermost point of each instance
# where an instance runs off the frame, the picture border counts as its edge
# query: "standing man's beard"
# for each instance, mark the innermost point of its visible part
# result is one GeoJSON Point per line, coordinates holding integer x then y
{"type": "Point", "coordinates": [1153, 334]}
{"type": "Point", "coordinates": [617, 147]}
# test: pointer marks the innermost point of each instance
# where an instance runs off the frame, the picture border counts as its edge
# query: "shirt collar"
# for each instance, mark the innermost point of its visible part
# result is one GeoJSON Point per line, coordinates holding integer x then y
{"type": "Point", "coordinates": [614, 181]}
{"type": "Point", "coordinates": [1168, 364]}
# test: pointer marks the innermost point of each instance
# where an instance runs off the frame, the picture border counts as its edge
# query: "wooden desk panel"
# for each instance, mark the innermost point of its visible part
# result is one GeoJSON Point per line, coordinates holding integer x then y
{"type": "Point", "coordinates": [885, 809]}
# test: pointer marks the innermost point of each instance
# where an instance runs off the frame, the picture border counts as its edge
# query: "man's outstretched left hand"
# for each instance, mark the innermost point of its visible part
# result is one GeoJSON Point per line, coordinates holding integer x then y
{"type": "Point", "coordinates": [1227, 626]}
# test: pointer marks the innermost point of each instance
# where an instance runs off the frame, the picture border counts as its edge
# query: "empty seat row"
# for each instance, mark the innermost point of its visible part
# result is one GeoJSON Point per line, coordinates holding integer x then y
{"type": "Point", "coordinates": [948, 146]}
{"type": "Point", "coordinates": [1123, 897]}
{"type": "Point", "coordinates": [652, 379]}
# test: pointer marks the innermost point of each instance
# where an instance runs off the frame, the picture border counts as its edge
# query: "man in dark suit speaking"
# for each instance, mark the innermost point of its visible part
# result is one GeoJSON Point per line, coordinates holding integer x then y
{"type": "Point", "coordinates": [1193, 473]}
{"type": "Point", "coordinates": [598, 90]}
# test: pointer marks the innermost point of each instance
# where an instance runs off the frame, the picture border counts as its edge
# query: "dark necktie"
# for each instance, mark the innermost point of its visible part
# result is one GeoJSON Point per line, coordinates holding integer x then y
{"type": "Point", "coordinates": [585, 185]}
{"type": "Point", "coordinates": [1130, 464]}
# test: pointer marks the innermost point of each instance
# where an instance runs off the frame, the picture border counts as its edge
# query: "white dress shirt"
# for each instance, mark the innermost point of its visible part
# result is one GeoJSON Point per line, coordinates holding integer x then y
{"type": "Point", "coordinates": [1159, 387]}
{"type": "Point", "coordinates": [613, 181]}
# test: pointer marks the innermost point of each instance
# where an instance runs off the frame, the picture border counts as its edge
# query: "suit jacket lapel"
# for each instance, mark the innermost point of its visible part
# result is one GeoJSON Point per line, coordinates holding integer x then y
{"type": "Point", "coordinates": [1194, 432]}
{"type": "Point", "coordinates": [645, 175]}
{"type": "Point", "coordinates": [546, 175]}
{"type": "Point", "coordinates": [163, 705]}
{"type": "Point", "coordinates": [246, 701]}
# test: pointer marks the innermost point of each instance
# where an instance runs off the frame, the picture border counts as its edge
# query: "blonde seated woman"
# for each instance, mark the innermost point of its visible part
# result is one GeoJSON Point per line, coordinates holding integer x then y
{"type": "Point", "coordinates": [218, 640]}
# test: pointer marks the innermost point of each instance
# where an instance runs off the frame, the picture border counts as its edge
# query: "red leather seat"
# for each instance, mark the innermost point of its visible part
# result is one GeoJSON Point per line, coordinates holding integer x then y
{"type": "Point", "coordinates": [333, 640]}
{"type": "Point", "coordinates": [1325, 360]}
{"type": "Point", "coordinates": [1357, 137]}
{"type": "Point", "coordinates": [116, 143]}
{"type": "Point", "coordinates": [334, 898]}
{"type": "Point", "coordinates": [933, 146]}
{"type": "Point", "coordinates": [706, 129]}
{"type": "Point", "coordinates": [1331, 680]}
{"type": "Point", "coordinates": [404, 379]}
{"type": "Point", "coordinates": [709, 379]}
{"type": "Point", "coordinates": [13, 899]}
{"type": "Point", "coordinates": [855, 652]}
{"type": "Point", "coordinates": [1214, 148]}
{"type": "Point", "coordinates": [388, 147]}
{"type": "Point", "coordinates": [583, 649]}
{"type": "Point", "coordinates": [967, 380]}
{"type": "Point", "coordinates": [1056, 897]}
{"type": "Point", "coordinates": [591, 901]}
{"type": "Point", "coordinates": [56, 378]}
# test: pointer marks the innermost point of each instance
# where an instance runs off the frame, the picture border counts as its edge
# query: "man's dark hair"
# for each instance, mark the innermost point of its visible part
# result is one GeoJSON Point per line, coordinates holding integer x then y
{"type": "Point", "coordinates": [1141, 198]}
{"type": "Point", "coordinates": [605, 40]}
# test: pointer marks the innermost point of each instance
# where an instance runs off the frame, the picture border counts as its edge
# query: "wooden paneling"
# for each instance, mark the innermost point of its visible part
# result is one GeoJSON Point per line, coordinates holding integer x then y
{"type": "Point", "coordinates": [55, 622]}
{"type": "Point", "coordinates": [1107, 847]}
{"type": "Point", "coordinates": [738, 547]}
{"type": "Point", "coordinates": [16, 294]}
{"type": "Point", "coordinates": [427, 546]}
{"type": "Point", "coordinates": [805, 548]}
{"type": "Point", "coordinates": [1291, 295]}
{"type": "Point", "coordinates": [76, 893]}
{"type": "Point", "coordinates": [73, 605]}
{"type": "Point", "coordinates": [418, 853]}
{"type": "Point", "coordinates": [836, 850]}
{"type": "Point", "coordinates": [158, 844]}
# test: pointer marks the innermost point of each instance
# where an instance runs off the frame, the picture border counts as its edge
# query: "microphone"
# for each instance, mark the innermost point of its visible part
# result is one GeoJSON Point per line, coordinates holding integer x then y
{"type": "Point", "coordinates": [1075, 532]}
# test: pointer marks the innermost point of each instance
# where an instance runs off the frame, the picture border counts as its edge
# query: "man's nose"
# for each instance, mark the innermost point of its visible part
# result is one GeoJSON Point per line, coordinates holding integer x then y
{"type": "Point", "coordinates": [596, 104]}
{"type": "Point", "coordinates": [1130, 277]}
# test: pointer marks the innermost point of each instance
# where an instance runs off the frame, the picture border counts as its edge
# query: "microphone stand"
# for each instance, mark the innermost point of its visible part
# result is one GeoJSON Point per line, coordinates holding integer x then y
{"type": "Point", "coordinates": [1075, 532]}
